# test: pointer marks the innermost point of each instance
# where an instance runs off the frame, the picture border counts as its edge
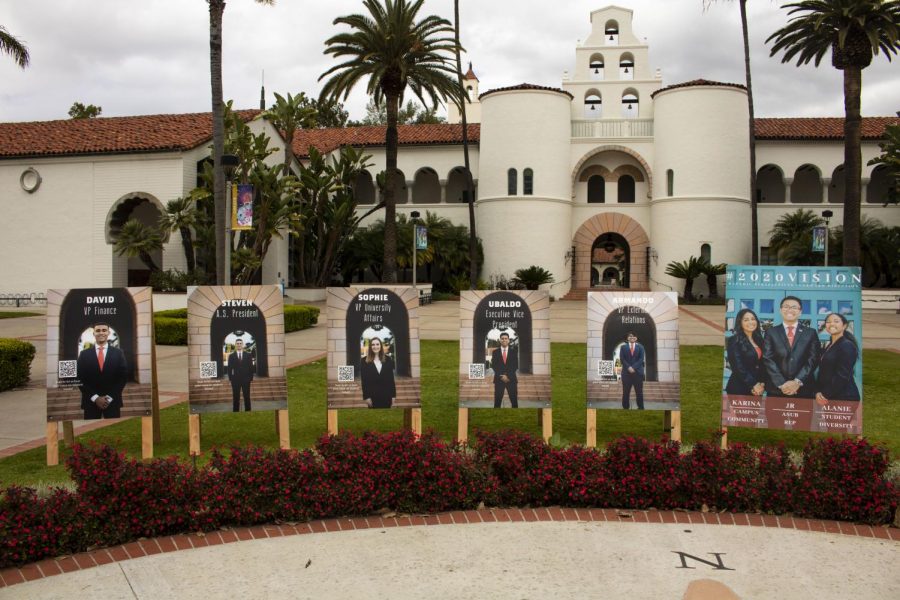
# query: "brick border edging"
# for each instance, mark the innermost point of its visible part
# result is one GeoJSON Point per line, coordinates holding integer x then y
{"type": "Point", "coordinates": [147, 547]}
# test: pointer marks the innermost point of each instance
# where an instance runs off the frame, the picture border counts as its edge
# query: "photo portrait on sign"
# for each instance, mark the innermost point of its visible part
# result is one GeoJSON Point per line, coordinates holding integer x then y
{"type": "Point", "coordinates": [795, 363]}
{"type": "Point", "coordinates": [632, 347]}
{"type": "Point", "coordinates": [236, 353]}
{"type": "Point", "coordinates": [99, 361]}
{"type": "Point", "coordinates": [504, 347]}
{"type": "Point", "coordinates": [373, 348]}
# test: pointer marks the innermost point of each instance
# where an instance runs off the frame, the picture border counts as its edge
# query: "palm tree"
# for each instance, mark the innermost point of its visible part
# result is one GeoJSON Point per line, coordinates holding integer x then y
{"type": "Point", "coordinates": [181, 215]}
{"type": "Point", "coordinates": [138, 240]}
{"type": "Point", "coordinates": [216, 10]}
{"type": "Point", "coordinates": [712, 272]}
{"type": "Point", "coordinates": [791, 237]}
{"type": "Point", "coordinates": [470, 187]}
{"type": "Point", "coordinates": [289, 114]}
{"type": "Point", "coordinates": [754, 216]}
{"type": "Point", "coordinates": [10, 45]}
{"type": "Point", "coordinates": [854, 31]}
{"type": "Point", "coordinates": [688, 270]}
{"type": "Point", "coordinates": [393, 51]}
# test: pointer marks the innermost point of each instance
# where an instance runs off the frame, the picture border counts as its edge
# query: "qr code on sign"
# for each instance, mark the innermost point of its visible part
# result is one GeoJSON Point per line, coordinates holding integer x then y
{"type": "Point", "coordinates": [67, 369]}
{"type": "Point", "coordinates": [345, 373]}
{"type": "Point", "coordinates": [209, 369]}
{"type": "Point", "coordinates": [606, 368]}
{"type": "Point", "coordinates": [476, 370]}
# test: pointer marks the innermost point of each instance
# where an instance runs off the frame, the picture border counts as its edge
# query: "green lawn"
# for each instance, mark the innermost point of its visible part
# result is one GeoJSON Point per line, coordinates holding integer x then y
{"type": "Point", "coordinates": [701, 368]}
{"type": "Point", "coordinates": [12, 314]}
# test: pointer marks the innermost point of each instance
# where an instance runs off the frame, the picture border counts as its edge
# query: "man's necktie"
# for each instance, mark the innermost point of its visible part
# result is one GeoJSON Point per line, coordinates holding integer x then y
{"type": "Point", "coordinates": [790, 334]}
{"type": "Point", "coordinates": [100, 357]}
{"type": "Point", "coordinates": [504, 357]}
{"type": "Point", "coordinates": [631, 347]}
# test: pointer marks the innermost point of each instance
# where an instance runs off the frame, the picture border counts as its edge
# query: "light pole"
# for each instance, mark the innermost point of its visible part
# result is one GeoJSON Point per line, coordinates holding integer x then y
{"type": "Point", "coordinates": [414, 217]}
{"type": "Point", "coordinates": [827, 214]}
{"type": "Point", "coordinates": [230, 163]}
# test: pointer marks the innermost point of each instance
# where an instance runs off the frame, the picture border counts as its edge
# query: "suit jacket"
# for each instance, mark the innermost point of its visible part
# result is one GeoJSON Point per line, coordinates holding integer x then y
{"type": "Point", "coordinates": [836, 371]}
{"type": "Point", "coordinates": [635, 361]}
{"type": "Point", "coordinates": [240, 370]}
{"type": "Point", "coordinates": [746, 366]}
{"type": "Point", "coordinates": [110, 382]}
{"type": "Point", "coordinates": [784, 363]}
{"type": "Point", "coordinates": [379, 387]}
{"type": "Point", "coordinates": [509, 369]}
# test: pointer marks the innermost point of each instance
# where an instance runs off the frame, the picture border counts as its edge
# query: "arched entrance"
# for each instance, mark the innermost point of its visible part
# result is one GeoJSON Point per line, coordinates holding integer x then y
{"type": "Point", "coordinates": [145, 209]}
{"type": "Point", "coordinates": [608, 241]}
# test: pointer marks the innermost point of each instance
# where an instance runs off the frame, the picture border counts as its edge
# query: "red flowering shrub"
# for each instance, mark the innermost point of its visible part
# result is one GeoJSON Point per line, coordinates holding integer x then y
{"type": "Point", "coordinates": [845, 479]}
{"type": "Point", "coordinates": [32, 528]}
{"type": "Point", "coordinates": [644, 474]}
{"type": "Point", "coordinates": [572, 477]}
{"type": "Point", "coordinates": [509, 456]}
{"type": "Point", "coordinates": [778, 478]}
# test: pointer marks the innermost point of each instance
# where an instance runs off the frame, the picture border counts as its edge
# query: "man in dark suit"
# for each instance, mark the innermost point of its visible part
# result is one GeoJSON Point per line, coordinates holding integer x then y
{"type": "Point", "coordinates": [102, 372]}
{"type": "Point", "coordinates": [633, 359]}
{"type": "Point", "coordinates": [240, 373]}
{"type": "Point", "coordinates": [790, 354]}
{"type": "Point", "coordinates": [505, 363]}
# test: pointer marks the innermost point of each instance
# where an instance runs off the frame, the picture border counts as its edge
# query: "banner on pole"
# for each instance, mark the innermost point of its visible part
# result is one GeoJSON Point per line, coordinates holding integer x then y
{"type": "Point", "coordinates": [242, 207]}
{"type": "Point", "coordinates": [421, 237]}
{"type": "Point", "coordinates": [818, 239]}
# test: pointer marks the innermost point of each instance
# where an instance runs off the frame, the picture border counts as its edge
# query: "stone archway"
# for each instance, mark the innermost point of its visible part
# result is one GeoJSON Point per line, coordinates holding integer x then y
{"type": "Point", "coordinates": [613, 148]}
{"type": "Point", "coordinates": [611, 222]}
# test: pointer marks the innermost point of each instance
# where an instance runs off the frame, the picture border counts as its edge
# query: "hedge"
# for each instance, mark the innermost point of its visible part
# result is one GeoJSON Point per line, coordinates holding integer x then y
{"type": "Point", "coordinates": [347, 475]}
{"type": "Point", "coordinates": [15, 362]}
{"type": "Point", "coordinates": [171, 325]}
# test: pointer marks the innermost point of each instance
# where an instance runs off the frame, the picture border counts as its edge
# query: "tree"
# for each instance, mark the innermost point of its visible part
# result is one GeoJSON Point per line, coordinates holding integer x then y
{"type": "Point", "coordinates": [890, 158]}
{"type": "Point", "coordinates": [181, 215]}
{"type": "Point", "coordinates": [15, 48]}
{"type": "Point", "coordinates": [754, 209]}
{"type": "Point", "coordinates": [329, 113]}
{"type": "Point", "coordinates": [880, 252]}
{"type": "Point", "coordinates": [791, 237]}
{"type": "Point", "coordinates": [854, 31]}
{"type": "Point", "coordinates": [712, 272]}
{"type": "Point", "coordinates": [411, 114]}
{"type": "Point", "coordinates": [216, 10]}
{"type": "Point", "coordinates": [688, 270]}
{"type": "Point", "coordinates": [394, 52]}
{"type": "Point", "coordinates": [289, 114]}
{"type": "Point", "coordinates": [533, 277]}
{"type": "Point", "coordinates": [138, 240]}
{"type": "Point", "coordinates": [470, 185]}
{"type": "Point", "coordinates": [80, 111]}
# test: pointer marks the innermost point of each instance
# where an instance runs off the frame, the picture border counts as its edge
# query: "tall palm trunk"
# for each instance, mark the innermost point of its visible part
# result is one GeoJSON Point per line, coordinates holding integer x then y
{"type": "Point", "coordinates": [187, 243]}
{"type": "Point", "coordinates": [392, 141]}
{"type": "Point", "coordinates": [754, 209]}
{"type": "Point", "coordinates": [216, 9]}
{"type": "Point", "coordinates": [470, 186]}
{"type": "Point", "coordinates": [852, 164]}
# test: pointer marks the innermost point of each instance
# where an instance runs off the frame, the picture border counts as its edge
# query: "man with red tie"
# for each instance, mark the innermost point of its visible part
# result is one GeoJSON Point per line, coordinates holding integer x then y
{"type": "Point", "coordinates": [240, 373]}
{"type": "Point", "coordinates": [102, 373]}
{"type": "Point", "coordinates": [632, 357]}
{"type": "Point", "coordinates": [791, 354]}
{"type": "Point", "coordinates": [505, 363]}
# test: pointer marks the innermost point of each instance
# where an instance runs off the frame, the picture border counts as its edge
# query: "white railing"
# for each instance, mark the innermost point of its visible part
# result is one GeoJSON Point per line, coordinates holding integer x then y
{"type": "Point", "coordinates": [612, 128]}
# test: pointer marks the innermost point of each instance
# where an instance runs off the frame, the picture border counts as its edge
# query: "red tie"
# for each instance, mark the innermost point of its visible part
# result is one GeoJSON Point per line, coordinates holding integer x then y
{"type": "Point", "coordinates": [504, 356]}
{"type": "Point", "coordinates": [631, 346]}
{"type": "Point", "coordinates": [790, 333]}
{"type": "Point", "coordinates": [100, 357]}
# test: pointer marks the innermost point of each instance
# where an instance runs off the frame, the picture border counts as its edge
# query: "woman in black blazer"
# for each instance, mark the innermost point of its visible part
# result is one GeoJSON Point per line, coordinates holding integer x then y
{"type": "Point", "coordinates": [745, 356]}
{"type": "Point", "coordinates": [377, 374]}
{"type": "Point", "coordinates": [837, 363]}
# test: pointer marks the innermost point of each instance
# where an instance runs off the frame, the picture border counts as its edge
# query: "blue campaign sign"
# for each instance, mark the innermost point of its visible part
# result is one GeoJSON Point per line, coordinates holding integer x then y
{"type": "Point", "coordinates": [421, 237]}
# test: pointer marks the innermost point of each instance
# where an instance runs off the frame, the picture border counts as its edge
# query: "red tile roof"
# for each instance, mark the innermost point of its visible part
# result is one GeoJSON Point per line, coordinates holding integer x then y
{"type": "Point", "coordinates": [108, 135]}
{"type": "Point", "coordinates": [698, 82]}
{"type": "Point", "coordinates": [819, 128]}
{"type": "Point", "coordinates": [326, 140]}
{"type": "Point", "coordinates": [526, 86]}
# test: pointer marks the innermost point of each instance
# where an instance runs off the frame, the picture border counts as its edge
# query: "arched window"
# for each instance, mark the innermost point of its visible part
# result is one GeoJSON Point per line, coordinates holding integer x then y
{"type": "Point", "coordinates": [626, 189]}
{"type": "Point", "coordinates": [626, 66]}
{"type": "Point", "coordinates": [527, 182]}
{"type": "Point", "coordinates": [770, 184]}
{"type": "Point", "coordinates": [838, 186]}
{"type": "Point", "coordinates": [706, 252]}
{"type": "Point", "coordinates": [593, 105]}
{"type": "Point", "coordinates": [512, 177]}
{"type": "Point", "coordinates": [879, 185]}
{"type": "Point", "coordinates": [426, 187]}
{"type": "Point", "coordinates": [670, 182]}
{"type": "Point", "coordinates": [596, 189]}
{"type": "Point", "coordinates": [595, 67]}
{"type": "Point", "coordinates": [630, 104]}
{"type": "Point", "coordinates": [807, 185]}
{"type": "Point", "coordinates": [611, 37]}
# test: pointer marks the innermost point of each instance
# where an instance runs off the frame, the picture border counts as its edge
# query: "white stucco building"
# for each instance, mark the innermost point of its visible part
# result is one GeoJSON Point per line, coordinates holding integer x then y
{"type": "Point", "coordinates": [603, 180]}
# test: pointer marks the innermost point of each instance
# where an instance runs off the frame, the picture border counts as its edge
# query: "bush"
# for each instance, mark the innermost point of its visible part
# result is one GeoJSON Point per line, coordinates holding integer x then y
{"type": "Point", "coordinates": [15, 362]}
{"type": "Point", "coordinates": [169, 331]}
{"type": "Point", "coordinates": [173, 280]}
{"type": "Point", "coordinates": [175, 313]}
{"type": "Point", "coordinates": [533, 277]}
{"type": "Point", "coordinates": [299, 317]}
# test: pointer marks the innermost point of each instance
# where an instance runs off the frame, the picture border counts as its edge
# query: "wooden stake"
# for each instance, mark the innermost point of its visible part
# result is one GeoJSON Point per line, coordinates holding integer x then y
{"type": "Point", "coordinates": [724, 438]}
{"type": "Point", "coordinates": [332, 421]}
{"type": "Point", "coordinates": [284, 429]}
{"type": "Point", "coordinates": [69, 433]}
{"type": "Point", "coordinates": [147, 437]}
{"type": "Point", "coordinates": [414, 417]}
{"type": "Point", "coordinates": [674, 418]}
{"type": "Point", "coordinates": [591, 434]}
{"type": "Point", "coordinates": [194, 434]}
{"type": "Point", "coordinates": [547, 423]}
{"type": "Point", "coordinates": [52, 444]}
{"type": "Point", "coordinates": [154, 379]}
{"type": "Point", "coordinates": [462, 425]}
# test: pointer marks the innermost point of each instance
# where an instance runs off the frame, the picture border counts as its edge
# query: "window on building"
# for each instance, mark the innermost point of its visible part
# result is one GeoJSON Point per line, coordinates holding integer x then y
{"type": "Point", "coordinates": [595, 67]}
{"type": "Point", "coordinates": [593, 105]}
{"type": "Point", "coordinates": [527, 182]}
{"type": "Point", "coordinates": [631, 104]}
{"type": "Point", "coordinates": [626, 66]}
{"type": "Point", "coordinates": [706, 252]}
{"type": "Point", "coordinates": [596, 189]}
{"type": "Point", "coordinates": [670, 182]}
{"type": "Point", "coordinates": [626, 189]}
{"type": "Point", "coordinates": [612, 33]}
{"type": "Point", "coordinates": [512, 177]}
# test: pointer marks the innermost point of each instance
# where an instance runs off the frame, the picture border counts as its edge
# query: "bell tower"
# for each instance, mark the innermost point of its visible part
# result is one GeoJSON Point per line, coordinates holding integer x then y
{"type": "Point", "coordinates": [473, 104]}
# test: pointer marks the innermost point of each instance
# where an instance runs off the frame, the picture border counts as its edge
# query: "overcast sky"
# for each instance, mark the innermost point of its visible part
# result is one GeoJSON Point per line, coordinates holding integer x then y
{"type": "Point", "coordinates": [152, 56]}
